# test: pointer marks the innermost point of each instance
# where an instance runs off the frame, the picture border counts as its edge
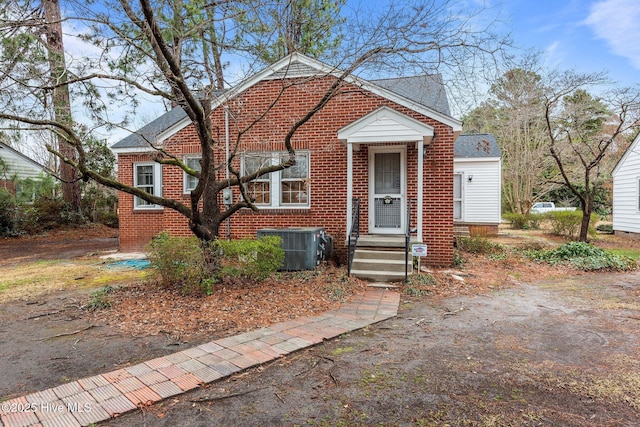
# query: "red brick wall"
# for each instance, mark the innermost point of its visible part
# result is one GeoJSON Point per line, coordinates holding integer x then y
{"type": "Point", "coordinates": [328, 182]}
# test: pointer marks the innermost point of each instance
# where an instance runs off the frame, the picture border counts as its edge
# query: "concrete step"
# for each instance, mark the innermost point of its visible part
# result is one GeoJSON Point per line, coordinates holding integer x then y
{"type": "Point", "coordinates": [378, 276]}
{"type": "Point", "coordinates": [362, 254]}
{"type": "Point", "coordinates": [390, 265]}
{"type": "Point", "coordinates": [382, 241]}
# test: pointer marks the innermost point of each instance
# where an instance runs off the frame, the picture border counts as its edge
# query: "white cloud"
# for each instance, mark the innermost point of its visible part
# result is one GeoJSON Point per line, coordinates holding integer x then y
{"type": "Point", "coordinates": [617, 22]}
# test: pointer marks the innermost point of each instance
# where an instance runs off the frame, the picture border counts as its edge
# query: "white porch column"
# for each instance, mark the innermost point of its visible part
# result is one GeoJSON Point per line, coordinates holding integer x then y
{"type": "Point", "coordinates": [420, 187]}
{"type": "Point", "coordinates": [349, 187]}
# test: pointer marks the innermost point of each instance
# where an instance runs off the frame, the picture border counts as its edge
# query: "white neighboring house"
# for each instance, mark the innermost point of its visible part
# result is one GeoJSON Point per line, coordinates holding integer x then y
{"type": "Point", "coordinates": [17, 166]}
{"type": "Point", "coordinates": [477, 182]}
{"type": "Point", "coordinates": [626, 192]}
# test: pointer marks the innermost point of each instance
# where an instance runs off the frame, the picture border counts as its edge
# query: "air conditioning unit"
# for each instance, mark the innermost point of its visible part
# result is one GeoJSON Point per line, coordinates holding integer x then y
{"type": "Point", "coordinates": [304, 247]}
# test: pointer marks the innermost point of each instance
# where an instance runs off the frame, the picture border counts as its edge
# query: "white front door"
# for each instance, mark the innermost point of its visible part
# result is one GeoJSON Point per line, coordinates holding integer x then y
{"type": "Point", "coordinates": [387, 188]}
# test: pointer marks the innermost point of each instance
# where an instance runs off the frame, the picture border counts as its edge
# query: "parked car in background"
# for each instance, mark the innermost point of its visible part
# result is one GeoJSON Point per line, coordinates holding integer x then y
{"type": "Point", "coordinates": [544, 207]}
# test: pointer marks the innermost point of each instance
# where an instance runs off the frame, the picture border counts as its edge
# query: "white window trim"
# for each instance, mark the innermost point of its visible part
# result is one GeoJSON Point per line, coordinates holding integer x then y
{"type": "Point", "coordinates": [275, 179]}
{"type": "Point", "coordinates": [157, 185]}
{"type": "Point", "coordinates": [638, 194]}
{"type": "Point", "coordinates": [461, 199]}
{"type": "Point", "coordinates": [185, 176]}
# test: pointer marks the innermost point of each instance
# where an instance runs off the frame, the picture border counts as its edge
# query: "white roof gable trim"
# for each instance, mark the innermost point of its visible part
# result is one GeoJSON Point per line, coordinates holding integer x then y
{"type": "Point", "coordinates": [634, 147]}
{"type": "Point", "coordinates": [287, 68]}
{"type": "Point", "coordinates": [385, 125]}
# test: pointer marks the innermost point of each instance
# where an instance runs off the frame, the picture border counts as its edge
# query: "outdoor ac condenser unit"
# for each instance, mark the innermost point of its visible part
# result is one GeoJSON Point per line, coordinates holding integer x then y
{"type": "Point", "coordinates": [304, 247]}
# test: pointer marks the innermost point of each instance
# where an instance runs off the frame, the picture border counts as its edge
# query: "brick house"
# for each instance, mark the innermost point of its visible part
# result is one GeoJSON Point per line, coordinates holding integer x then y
{"type": "Point", "coordinates": [384, 142]}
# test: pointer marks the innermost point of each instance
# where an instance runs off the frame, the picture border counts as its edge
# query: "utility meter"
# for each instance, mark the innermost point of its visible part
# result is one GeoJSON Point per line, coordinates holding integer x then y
{"type": "Point", "coordinates": [227, 196]}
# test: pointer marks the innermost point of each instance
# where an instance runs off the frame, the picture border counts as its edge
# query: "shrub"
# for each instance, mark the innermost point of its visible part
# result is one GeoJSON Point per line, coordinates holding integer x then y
{"type": "Point", "coordinates": [477, 245]}
{"type": "Point", "coordinates": [605, 228]}
{"type": "Point", "coordinates": [585, 256]}
{"type": "Point", "coordinates": [567, 223]}
{"type": "Point", "coordinates": [250, 259]}
{"type": "Point", "coordinates": [524, 221]}
{"type": "Point", "coordinates": [180, 262]}
{"type": "Point", "coordinates": [195, 267]}
{"type": "Point", "coordinates": [7, 214]}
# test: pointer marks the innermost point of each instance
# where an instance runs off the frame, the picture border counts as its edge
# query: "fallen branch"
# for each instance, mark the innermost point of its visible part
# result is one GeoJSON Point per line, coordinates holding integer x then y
{"type": "Point", "coordinates": [227, 396]}
{"type": "Point", "coordinates": [66, 334]}
{"type": "Point", "coordinates": [452, 313]}
{"type": "Point", "coordinates": [37, 316]}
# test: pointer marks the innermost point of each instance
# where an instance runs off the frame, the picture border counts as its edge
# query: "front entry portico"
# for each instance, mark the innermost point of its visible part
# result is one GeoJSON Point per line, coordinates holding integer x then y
{"type": "Point", "coordinates": [392, 138]}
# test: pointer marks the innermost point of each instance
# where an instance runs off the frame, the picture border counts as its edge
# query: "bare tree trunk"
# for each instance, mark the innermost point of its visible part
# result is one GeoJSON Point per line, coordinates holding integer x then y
{"type": "Point", "coordinates": [61, 101]}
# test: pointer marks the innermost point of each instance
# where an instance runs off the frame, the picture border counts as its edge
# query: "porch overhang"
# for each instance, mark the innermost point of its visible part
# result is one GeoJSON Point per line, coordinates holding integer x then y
{"type": "Point", "coordinates": [386, 126]}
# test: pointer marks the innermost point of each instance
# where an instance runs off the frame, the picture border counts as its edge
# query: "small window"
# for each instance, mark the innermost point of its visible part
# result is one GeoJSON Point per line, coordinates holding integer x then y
{"type": "Point", "coordinates": [147, 177]}
{"type": "Point", "coordinates": [457, 196]}
{"type": "Point", "coordinates": [190, 181]}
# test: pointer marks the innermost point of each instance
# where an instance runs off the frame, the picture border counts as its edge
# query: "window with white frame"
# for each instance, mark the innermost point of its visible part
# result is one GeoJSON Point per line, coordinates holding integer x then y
{"type": "Point", "coordinates": [286, 188]}
{"type": "Point", "coordinates": [457, 196]}
{"type": "Point", "coordinates": [147, 177]}
{"type": "Point", "coordinates": [190, 181]}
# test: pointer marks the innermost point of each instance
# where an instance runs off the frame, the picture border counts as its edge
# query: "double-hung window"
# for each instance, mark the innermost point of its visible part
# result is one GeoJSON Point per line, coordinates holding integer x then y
{"type": "Point", "coordinates": [190, 181]}
{"type": "Point", "coordinates": [457, 196]}
{"type": "Point", "coordinates": [147, 177]}
{"type": "Point", "coordinates": [286, 188]}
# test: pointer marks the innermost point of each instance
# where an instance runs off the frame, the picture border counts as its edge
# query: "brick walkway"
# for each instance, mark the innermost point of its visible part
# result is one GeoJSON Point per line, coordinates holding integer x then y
{"type": "Point", "coordinates": [94, 399]}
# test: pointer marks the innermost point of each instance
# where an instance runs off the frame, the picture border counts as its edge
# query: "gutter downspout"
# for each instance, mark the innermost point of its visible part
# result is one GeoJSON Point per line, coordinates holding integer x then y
{"type": "Point", "coordinates": [226, 169]}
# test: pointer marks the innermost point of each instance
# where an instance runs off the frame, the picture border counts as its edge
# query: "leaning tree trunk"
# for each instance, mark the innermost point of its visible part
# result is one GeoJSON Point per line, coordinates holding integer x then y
{"type": "Point", "coordinates": [586, 217]}
{"type": "Point", "coordinates": [61, 101]}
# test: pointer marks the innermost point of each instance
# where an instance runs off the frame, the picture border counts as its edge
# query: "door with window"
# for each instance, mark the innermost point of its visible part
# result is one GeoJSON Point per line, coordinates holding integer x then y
{"type": "Point", "coordinates": [387, 190]}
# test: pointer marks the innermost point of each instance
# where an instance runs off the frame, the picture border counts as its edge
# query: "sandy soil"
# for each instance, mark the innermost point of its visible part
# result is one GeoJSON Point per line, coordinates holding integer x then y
{"type": "Point", "coordinates": [513, 344]}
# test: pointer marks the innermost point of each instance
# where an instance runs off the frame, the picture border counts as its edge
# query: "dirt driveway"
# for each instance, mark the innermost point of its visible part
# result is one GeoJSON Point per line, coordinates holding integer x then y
{"type": "Point", "coordinates": [561, 353]}
{"type": "Point", "coordinates": [558, 353]}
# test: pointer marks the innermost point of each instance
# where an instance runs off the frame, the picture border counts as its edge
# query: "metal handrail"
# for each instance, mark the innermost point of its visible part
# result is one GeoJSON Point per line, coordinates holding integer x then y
{"type": "Point", "coordinates": [354, 233]}
{"type": "Point", "coordinates": [407, 239]}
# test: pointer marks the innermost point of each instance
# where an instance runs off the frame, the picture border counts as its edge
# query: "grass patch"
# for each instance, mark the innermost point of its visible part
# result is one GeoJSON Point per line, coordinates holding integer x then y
{"type": "Point", "coordinates": [629, 253]}
{"type": "Point", "coordinates": [29, 279]}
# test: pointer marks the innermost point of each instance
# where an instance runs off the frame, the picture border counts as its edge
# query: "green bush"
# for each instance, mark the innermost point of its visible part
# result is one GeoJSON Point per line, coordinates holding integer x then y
{"type": "Point", "coordinates": [605, 228]}
{"type": "Point", "coordinates": [477, 245]}
{"type": "Point", "coordinates": [180, 262]}
{"type": "Point", "coordinates": [524, 221]}
{"type": "Point", "coordinates": [250, 259]}
{"type": "Point", "coordinates": [567, 223]}
{"type": "Point", "coordinates": [8, 207]}
{"type": "Point", "coordinates": [584, 256]}
{"type": "Point", "coordinates": [195, 267]}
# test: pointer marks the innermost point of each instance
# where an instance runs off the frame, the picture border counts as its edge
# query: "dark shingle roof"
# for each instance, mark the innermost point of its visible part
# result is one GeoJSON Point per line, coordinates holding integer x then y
{"type": "Point", "coordinates": [150, 131]}
{"type": "Point", "coordinates": [427, 90]}
{"type": "Point", "coordinates": [476, 145]}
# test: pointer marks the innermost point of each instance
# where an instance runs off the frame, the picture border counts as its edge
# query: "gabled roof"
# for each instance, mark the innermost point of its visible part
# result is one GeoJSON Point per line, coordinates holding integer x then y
{"type": "Point", "coordinates": [426, 90]}
{"type": "Point", "coordinates": [19, 163]}
{"type": "Point", "coordinates": [634, 147]}
{"type": "Point", "coordinates": [477, 145]}
{"type": "Point", "coordinates": [298, 65]}
{"type": "Point", "coordinates": [385, 125]}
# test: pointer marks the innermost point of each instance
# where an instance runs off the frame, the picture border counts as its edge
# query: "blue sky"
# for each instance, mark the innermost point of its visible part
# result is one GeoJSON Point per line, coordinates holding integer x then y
{"type": "Point", "coordinates": [585, 35]}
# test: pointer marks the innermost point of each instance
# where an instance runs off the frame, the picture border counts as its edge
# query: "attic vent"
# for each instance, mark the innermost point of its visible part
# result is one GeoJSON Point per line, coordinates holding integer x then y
{"type": "Point", "coordinates": [295, 69]}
